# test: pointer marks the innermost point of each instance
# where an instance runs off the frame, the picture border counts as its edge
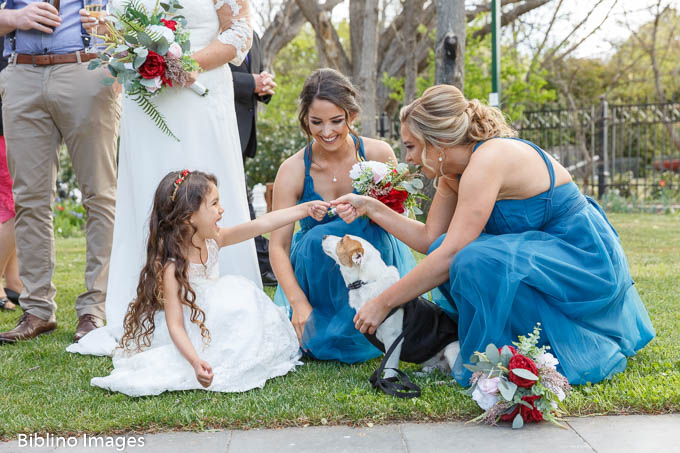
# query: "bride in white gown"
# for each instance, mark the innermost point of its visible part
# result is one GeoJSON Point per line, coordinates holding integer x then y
{"type": "Point", "coordinates": [209, 141]}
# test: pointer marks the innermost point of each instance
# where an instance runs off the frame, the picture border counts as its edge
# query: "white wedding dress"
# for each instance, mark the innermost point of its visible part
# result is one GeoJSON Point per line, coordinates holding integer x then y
{"type": "Point", "coordinates": [209, 137]}
{"type": "Point", "coordinates": [252, 340]}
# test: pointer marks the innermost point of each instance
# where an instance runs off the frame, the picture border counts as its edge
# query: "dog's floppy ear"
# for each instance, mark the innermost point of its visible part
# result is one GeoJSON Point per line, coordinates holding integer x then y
{"type": "Point", "coordinates": [350, 252]}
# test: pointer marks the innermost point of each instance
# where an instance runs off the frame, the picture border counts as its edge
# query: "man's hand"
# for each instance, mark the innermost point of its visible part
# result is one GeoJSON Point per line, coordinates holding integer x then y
{"type": "Point", "coordinates": [35, 16]}
{"type": "Point", "coordinates": [264, 83]}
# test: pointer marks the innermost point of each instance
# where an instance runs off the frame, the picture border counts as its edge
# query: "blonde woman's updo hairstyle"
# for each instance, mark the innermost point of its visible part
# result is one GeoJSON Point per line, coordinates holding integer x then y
{"type": "Point", "coordinates": [443, 117]}
{"type": "Point", "coordinates": [328, 85]}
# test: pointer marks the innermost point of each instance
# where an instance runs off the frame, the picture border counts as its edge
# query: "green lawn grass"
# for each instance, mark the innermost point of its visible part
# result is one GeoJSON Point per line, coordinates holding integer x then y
{"type": "Point", "coordinates": [44, 389]}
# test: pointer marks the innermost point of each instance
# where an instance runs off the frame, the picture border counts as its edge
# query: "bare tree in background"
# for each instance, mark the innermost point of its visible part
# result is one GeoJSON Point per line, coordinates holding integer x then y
{"type": "Point", "coordinates": [394, 35]}
{"type": "Point", "coordinates": [657, 53]}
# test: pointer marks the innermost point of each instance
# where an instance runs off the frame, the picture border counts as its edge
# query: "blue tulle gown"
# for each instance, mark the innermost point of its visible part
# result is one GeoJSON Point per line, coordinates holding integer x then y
{"type": "Point", "coordinates": [555, 259]}
{"type": "Point", "coordinates": [329, 332]}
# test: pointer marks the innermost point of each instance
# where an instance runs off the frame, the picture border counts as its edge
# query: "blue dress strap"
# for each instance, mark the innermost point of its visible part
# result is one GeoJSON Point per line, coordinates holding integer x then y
{"type": "Point", "coordinates": [308, 157]}
{"type": "Point", "coordinates": [549, 195]}
{"type": "Point", "coordinates": [362, 151]}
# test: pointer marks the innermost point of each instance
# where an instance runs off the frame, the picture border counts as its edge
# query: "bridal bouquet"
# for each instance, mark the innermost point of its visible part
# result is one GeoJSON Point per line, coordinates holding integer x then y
{"type": "Point", "coordinates": [395, 186]}
{"type": "Point", "coordinates": [518, 384]}
{"type": "Point", "coordinates": [146, 52]}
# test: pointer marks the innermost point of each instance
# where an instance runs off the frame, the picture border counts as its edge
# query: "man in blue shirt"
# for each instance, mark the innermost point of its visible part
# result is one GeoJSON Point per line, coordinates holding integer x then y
{"type": "Point", "coordinates": [49, 97]}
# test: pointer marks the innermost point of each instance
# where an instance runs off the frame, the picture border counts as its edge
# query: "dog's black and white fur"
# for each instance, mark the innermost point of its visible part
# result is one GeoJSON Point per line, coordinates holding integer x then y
{"type": "Point", "coordinates": [366, 275]}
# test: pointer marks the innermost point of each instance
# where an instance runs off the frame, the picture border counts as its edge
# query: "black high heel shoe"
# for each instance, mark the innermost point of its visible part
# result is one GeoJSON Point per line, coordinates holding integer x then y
{"type": "Point", "coordinates": [12, 296]}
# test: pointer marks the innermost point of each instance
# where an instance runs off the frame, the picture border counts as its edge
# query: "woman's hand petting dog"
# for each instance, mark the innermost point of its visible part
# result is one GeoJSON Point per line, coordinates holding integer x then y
{"type": "Point", "coordinates": [351, 206]}
{"type": "Point", "coordinates": [370, 316]}
{"type": "Point", "coordinates": [301, 313]}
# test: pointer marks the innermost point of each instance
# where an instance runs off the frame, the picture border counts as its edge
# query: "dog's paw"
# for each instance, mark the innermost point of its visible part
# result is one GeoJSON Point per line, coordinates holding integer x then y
{"type": "Point", "coordinates": [451, 352]}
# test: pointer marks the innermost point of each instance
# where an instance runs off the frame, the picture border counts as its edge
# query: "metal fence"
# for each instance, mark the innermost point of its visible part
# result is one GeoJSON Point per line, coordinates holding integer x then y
{"type": "Point", "coordinates": [632, 148]}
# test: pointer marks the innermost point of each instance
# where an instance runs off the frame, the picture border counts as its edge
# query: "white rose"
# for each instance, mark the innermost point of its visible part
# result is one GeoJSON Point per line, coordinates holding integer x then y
{"type": "Point", "coordinates": [379, 170]}
{"type": "Point", "coordinates": [163, 31]}
{"type": "Point", "coordinates": [547, 360]}
{"type": "Point", "coordinates": [485, 400]}
{"type": "Point", "coordinates": [489, 385]}
{"type": "Point", "coordinates": [357, 170]}
{"type": "Point", "coordinates": [175, 51]}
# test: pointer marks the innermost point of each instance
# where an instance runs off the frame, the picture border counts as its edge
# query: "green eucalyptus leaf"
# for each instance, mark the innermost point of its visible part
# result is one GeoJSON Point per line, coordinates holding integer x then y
{"type": "Point", "coordinates": [151, 83]}
{"type": "Point", "coordinates": [472, 368]}
{"type": "Point", "coordinates": [162, 46]}
{"type": "Point", "coordinates": [139, 61]}
{"type": "Point", "coordinates": [131, 39]}
{"type": "Point", "coordinates": [417, 183]}
{"type": "Point", "coordinates": [518, 422]}
{"type": "Point", "coordinates": [507, 389]}
{"type": "Point", "coordinates": [94, 64]}
{"type": "Point", "coordinates": [474, 358]}
{"type": "Point", "coordinates": [506, 355]}
{"type": "Point", "coordinates": [108, 81]}
{"type": "Point", "coordinates": [492, 354]}
{"type": "Point", "coordinates": [146, 41]}
{"type": "Point", "coordinates": [524, 374]}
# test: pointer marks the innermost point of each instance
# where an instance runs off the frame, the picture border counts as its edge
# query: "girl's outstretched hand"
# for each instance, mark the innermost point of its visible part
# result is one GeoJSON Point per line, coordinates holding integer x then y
{"type": "Point", "coordinates": [318, 209]}
{"type": "Point", "coordinates": [204, 373]}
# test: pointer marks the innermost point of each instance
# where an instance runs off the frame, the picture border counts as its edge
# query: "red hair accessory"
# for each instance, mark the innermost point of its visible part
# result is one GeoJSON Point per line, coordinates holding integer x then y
{"type": "Point", "coordinates": [178, 182]}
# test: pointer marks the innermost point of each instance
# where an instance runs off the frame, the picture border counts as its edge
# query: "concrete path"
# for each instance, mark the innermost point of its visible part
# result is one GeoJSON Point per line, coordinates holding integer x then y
{"type": "Point", "coordinates": [635, 433]}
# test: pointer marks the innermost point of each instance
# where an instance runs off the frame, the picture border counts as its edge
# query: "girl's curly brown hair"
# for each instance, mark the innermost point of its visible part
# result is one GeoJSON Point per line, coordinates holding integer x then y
{"type": "Point", "coordinates": [170, 234]}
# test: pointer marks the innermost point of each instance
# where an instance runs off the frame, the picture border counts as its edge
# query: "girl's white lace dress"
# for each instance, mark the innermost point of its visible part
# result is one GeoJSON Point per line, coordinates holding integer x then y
{"type": "Point", "coordinates": [209, 137]}
{"type": "Point", "coordinates": [252, 340]}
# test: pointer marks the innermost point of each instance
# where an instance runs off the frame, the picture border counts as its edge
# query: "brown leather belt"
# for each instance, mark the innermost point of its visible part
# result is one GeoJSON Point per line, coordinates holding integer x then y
{"type": "Point", "coordinates": [47, 60]}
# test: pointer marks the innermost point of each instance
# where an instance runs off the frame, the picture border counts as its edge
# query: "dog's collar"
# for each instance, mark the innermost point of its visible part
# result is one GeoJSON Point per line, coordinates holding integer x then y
{"type": "Point", "coordinates": [356, 285]}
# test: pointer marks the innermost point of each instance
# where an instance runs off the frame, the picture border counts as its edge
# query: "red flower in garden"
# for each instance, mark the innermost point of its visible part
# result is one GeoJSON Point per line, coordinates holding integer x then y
{"type": "Point", "coordinates": [60, 208]}
{"type": "Point", "coordinates": [171, 24]}
{"type": "Point", "coordinates": [662, 183]}
{"type": "Point", "coordinates": [524, 362]}
{"type": "Point", "coordinates": [178, 181]}
{"type": "Point", "coordinates": [394, 200]}
{"type": "Point", "coordinates": [153, 67]}
{"type": "Point", "coordinates": [528, 415]}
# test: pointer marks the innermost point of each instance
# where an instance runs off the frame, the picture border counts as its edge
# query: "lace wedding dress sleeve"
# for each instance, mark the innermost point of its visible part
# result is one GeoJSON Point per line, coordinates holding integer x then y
{"type": "Point", "coordinates": [235, 28]}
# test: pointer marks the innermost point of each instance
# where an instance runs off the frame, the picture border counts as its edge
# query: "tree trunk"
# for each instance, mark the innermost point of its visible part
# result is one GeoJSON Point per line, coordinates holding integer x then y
{"type": "Point", "coordinates": [369, 66]}
{"type": "Point", "coordinates": [412, 10]}
{"type": "Point", "coordinates": [450, 43]}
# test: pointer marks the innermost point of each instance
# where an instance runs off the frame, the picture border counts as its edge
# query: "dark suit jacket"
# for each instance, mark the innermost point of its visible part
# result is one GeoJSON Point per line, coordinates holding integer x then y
{"type": "Point", "coordinates": [246, 99]}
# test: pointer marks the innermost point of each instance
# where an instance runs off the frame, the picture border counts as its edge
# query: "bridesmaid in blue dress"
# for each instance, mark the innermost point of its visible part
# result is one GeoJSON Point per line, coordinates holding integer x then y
{"type": "Point", "coordinates": [310, 284]}
{"type": "Point", "coordinates": [511, 242]}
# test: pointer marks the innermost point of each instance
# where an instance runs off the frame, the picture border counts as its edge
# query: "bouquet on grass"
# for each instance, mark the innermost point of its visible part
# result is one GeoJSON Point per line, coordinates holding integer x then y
{"type": "Point", "coordinates": [518, 384]}
{"type": "Point", "coordinates": [395, 186]}
{"type": "Point", "coordinates": [147, 51]}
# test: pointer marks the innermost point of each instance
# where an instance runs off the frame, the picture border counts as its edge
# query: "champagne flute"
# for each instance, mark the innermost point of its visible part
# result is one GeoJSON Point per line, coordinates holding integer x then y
{"type": "Point", "coordinates": [99, 11]}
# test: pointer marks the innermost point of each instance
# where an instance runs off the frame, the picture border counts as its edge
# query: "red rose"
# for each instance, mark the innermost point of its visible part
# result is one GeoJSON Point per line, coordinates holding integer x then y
{"type": "Point", "coordinates": [524, 362]}
{"type": "Point", "coordinates": [528, 415]}
{"type": "Point", "coordinates": [153, 67]}
{"type": "Point", "coordinates": [662, 183]}
{"type": "Point", "coordinates": [171, 24]}
{"type": "Point", "coordinates": [394, 200]}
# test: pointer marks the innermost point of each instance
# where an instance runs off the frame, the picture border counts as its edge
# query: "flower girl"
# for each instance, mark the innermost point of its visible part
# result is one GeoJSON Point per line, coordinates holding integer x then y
{"type": "Point", "coordinates": [188, 328]}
